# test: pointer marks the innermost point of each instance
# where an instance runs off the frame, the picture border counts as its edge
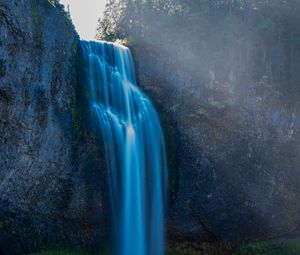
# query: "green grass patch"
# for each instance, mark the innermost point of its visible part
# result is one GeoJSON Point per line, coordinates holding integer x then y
{"type": "Point", "coordinates": [66, 252]}
{"type": "Point", "coordinates": [271, 247]}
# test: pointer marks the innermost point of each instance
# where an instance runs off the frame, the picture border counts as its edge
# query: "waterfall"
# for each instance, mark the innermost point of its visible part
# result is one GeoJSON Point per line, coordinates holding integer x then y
{"type": "Point", "coordinates": [134, 146]}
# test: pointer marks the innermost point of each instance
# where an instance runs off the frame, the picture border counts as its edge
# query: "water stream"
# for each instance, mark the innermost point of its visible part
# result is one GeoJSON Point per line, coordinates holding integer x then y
{"type": "Point", "coordinates": [134, 146]}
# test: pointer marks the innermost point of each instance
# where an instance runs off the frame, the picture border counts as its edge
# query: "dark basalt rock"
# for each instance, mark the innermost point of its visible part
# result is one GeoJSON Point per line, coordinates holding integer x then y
{"type": "Point", "coordinates": [236, 137]}
{"type": "Point", "coordinates": [232, 136]}
{"type": "Point", "coordinates": [50, 182]}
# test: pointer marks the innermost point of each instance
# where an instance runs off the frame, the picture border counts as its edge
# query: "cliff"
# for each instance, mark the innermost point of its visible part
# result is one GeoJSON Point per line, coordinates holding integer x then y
{"type": "Point", "coordinates": [227, 93]}
{"type": "Point", "coordinates": [224, 76]}
{"type": "Point", "coordinates": [44, 199]}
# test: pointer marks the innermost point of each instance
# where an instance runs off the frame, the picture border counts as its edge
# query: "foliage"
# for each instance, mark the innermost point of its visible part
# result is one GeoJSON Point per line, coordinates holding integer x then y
{"type": "Point", "coordinates": [65, 252]}
{"type": "Point", "coordinates": [264, 36]}
{"type": "Point", "coordinates": [2, 68]}
{"type": "Point", "coordinates": [270, 247]}
{"type": "Point", "coordinates": [273, 247]}
{"type": "Point", "coordinates": [194, 248]}
{"type": "Point", "coordinates": [65, 10]}
{"type": "Point", "coordinates": [121, 16]}
{"type": "Point", "coordinates": [57, 4]}
{"type": "Point", "coordinates": [37, 19]}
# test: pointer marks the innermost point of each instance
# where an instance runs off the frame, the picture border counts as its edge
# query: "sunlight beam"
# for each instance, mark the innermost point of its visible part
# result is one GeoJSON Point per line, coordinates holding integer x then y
{"type": "Point", "coordinates": [85, 15]}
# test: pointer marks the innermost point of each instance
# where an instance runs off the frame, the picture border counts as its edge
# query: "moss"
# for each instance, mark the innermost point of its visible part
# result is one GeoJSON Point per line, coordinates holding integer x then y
{"type": "Point", "coordinates": [55, 82]}
{"type": "Point", "coordinates": [80, 109]}
{"type": "Point", "coordinates": [171, 147]}
{"type": "Point", "coordinates": [129, 41]}
{"type": "Point", "coordinates": [83, 131]}
{"type": "Point", "coordinates": [41, 108]}
{"type": "Point", "coordinates": [264, 82]}
{"type": "Point", "coordinates": [9, 228]}
{"type": "Point", "coordinates": [64, 12]}
{"type": "Point", "coordinates": [5, 222]}
{"type": "Point", "coordinates": [43, 116]}
{"type": "Point", "coordinates": [271, 247]}
{"type": "Point", "coordinates": [76, 123]}
{"type": "Point", "coordinates": [184, 249]}
{"type": "Point", "coordinates": [6, 96]}
{"type": "Point", "coordinates": [37, 20]}
{"type": "Point", "coordinates": [78, 98]}
{"type": "Point", "coordinates": [26, 98]}
{"type": "Point", "coordinates": [194, 248]}
{"type": "Point", "coordinates": [216, 105]}
{"type": "Point", "coordinates": [57, 4]}
{"type": "Point", "coordinates": [54, 2]}
{"type": "Point", "coordinates": [66, 252]}
{"type": "Point", "coordinates": [200, 112]}
{"type": "Point", "coordinates": [2, 68]}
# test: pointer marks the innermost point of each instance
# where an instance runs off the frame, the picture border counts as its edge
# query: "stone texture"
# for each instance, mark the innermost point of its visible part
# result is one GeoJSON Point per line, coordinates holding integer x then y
{"type": "Point", "coordinates": [48, 198]}
{"type": "Point", "coordinates": [233, 138]}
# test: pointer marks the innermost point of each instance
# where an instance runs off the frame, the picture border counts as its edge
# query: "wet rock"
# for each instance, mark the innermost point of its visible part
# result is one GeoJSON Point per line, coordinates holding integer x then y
{"type": "Point", "coordinates": [236, 172]}
{"type": "Point", "coordinates": [48, 199]}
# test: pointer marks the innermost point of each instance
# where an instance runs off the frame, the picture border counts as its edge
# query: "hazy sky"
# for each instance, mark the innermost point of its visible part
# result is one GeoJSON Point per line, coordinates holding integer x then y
{"type": "Point", "coordinates": [85, 15]}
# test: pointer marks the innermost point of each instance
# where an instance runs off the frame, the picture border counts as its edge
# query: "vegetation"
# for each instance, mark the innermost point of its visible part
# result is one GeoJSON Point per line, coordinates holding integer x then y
{"type": "Point", "coordinates": [57, 4]}
{"type": "Point", "coordinates": [37, 19]}
{"type": "Point", "coordinates": [190, 248]}
{"type": "Point", "coordinates": [2, 68]}
{"type": "Point", "coordinates": [272, 247]}
{"type": "Point", "coordinates": [263, 32]}
{"type": "Point", "coordinates": [65, 252]}
{"type": "Point", "coordinates": [61, 7]}
{"type": "Point", "coordinates": [236, 52]}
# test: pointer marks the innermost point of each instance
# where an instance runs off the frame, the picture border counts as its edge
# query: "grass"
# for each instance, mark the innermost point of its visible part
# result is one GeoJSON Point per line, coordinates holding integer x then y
{"type": "Point", "coordinates": [271, 247]}
{"type": "Point", "coordinates": [66, 252]}
{"type": "Point", "coordinates": [280, 246]}
{"type": "Point", "coordinates": [194, 248]}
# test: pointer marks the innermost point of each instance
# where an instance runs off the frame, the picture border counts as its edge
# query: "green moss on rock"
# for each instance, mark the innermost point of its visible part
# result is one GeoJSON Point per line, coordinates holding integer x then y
{"type": "Point", "coordinates": [6, 96]}
{"type": "Point", "coordinates": [271, 247]}
{"type": "Point", "coordinates": [196, 248]}
{"type": "Point", "coordinates": [65, 252]}
{"type": "Point", "coordinates": [2, 68]}
{"type": "Point", "coordinates": [37, 20]}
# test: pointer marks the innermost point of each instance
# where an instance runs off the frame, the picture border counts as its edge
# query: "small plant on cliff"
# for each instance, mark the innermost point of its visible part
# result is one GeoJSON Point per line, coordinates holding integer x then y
{"type": "Point", "coordinates": [57, 4]}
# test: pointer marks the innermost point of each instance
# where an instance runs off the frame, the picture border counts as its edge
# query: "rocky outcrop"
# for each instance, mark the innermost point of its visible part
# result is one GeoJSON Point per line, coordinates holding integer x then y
{"type": "Point", "coordinates": [230, 115]}
{"type": "Point", "coordinates": [232, 127]}
{"type": "Point", "coordinates": [48, 199]}
{"type": "Point", "coordinates": [225, 77]}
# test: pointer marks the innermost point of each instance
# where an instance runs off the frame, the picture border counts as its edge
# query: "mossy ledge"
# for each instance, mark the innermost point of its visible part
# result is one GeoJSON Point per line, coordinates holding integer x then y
{"type": "Point", "coordinates": [281, 246]}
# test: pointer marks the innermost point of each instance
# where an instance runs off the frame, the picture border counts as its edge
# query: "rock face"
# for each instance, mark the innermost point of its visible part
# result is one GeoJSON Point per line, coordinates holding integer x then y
{"type": "Point", "coordinates": [225, 77]}
{"type": "Point", "coordinates": [47, 198]}
{"type": "Point", "coordinates": [233, 137]}
{"type": "Point", "coordinates": [232, 134]}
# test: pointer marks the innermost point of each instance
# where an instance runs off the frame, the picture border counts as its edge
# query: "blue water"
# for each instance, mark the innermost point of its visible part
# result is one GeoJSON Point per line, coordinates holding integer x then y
{"type": "Point", "coordinates": [134, 145]}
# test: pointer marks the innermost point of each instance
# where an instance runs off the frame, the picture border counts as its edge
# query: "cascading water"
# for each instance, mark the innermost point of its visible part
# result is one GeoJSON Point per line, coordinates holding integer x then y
{"type": "Point", "coordinates": [134, 145]}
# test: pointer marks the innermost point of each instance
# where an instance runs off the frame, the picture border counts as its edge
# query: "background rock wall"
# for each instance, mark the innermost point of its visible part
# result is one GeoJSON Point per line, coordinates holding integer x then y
{"type": "Point", "coordinates": [49, 194]}
{"type": "Point", "coordinates": [233, 147]}
{"type": "Point", "coordinates": [224, 76]}
{"type": "Point", "coordinates": [227, 92]}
